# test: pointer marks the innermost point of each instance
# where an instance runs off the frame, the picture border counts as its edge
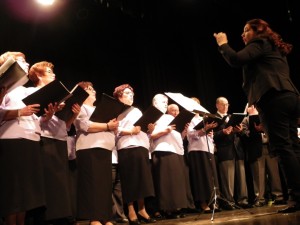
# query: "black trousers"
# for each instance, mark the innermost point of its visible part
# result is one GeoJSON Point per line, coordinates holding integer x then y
{"type": "Point", "coordinates": [279, 112]}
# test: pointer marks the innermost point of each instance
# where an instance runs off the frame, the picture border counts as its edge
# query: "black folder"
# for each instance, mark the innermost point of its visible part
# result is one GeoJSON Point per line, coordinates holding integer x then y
{"type": "Point", "coordinates": [253, 119]}
{"type": "Point", "coordinates": [54, 92]}
{"type": "Point", "coordinates": [235, 119]}
{"type": "Point", "coordinates": [151, 115]}
{"type": "Point", "coordinates": [108, 108]}
{"type": "Point", "coordinates": [182, 119]}
{"type": "Point", "coordinates": [209, 119]}
{"type": "Point", "coordinates": [79, 95]}
{"type": "Point", "coordinates": [12, 75]}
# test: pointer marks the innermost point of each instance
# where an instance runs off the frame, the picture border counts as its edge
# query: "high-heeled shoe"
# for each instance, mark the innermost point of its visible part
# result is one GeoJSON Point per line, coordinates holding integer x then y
{"type": "Point", "coordinates": [134, 222]}
{"type": "Point", "coordinates": [146, 220]}
{"type": "Point", "coordinates": [158, 216]}
{"type": "Point", "coordinates": [206, 210]}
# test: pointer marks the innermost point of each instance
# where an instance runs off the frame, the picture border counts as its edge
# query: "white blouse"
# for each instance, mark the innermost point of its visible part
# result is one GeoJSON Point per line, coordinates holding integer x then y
{"type": "Point", "coordinates": [23, 127]}
{"type": "Point", "coordinates": [85, 139]}
{"type": "Point", "coordinates": [126, 122]}
{"type": "Point", "coordinates": [171, 142]}
{"type": "Point", "coordinates": [197, 142]}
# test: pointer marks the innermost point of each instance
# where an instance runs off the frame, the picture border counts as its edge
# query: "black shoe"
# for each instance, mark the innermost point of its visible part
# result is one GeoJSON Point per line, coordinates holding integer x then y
{"type": "Point", "coordinates": [134, 222]}
{"type": "Point", "coordinates": [145, 220]}
{"type": "Point", "coordinates": [228, 207]}
{"type": "Point", "coordinates": [182, 215]}
{"type": "Point", "coordinates": [207, 211]}
{"type": "Point", "coordinates": [172, 216]}
{"type": "Point", "coordinates": [259, 204]}
{"type": "Point", "coordinates": [279, 202]}
{"type": "Point", "coordinates": [189, 210]}
{"type": "Point", "coordinates": [245, 205]}
{"type": "Point", "coordinates": [158, 216]}
{"type": "Point", "coordinates": [122, 220]}
{"type": "Point", "coordinates": [290, 209]}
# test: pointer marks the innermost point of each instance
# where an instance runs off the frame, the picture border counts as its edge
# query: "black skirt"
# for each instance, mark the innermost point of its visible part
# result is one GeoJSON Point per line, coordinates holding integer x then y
{"type": "Point", "coordinates": [94, 190]}
{"type": "Point", "coordinates": [203, 175]}
{"type": "Point", "coordinates": [56, 172]}
{"type": "Point", "coordinates": [169, 180]}
{"type": "Point", "coordinates": [135, 174]}
{"type": "Point", "coordinates": [22, 178]}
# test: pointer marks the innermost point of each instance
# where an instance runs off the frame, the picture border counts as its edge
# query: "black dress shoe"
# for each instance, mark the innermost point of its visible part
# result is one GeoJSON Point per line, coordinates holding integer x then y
{"type": "Point", "coordinates": [172, 216]}
{"type": "Point", "coordinates": [228, 207]}
{"type": "Point", "coordinates": [182, 215]}
{"type": "Point", "coordinates": [290, 209]}
{"type": "Point", "coordinates": [259, 204]}
{"type": "Point", "coordinates": [134, 222]}
{"type": "Point", "coordinates": [158, 216]}
{"type": "Point", "coordinates": [245, 205]}
{"type": "Point", "coordinates": [279, 202]}
{"type": "Point", "coordinates": [146, 220]}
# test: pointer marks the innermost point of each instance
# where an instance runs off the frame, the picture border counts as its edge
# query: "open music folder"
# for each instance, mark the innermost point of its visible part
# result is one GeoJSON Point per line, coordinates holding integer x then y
{"type": "Point", "coordinates": [209, 119]}
{"type": "Point", "coordinates": [151, 115]}
{"type": "Point", "coordinates": [12, 75]}
{"type": "Point", "coordinates": [182, 119]}
{"type": "Point", "coordinates": [79, 95]}
{"type": "Point", "coordinates": [235, 119]}
{"type": "Point", "coordinates": [54, 92]}
{"type": "Point", "coordinates": [108, 108]}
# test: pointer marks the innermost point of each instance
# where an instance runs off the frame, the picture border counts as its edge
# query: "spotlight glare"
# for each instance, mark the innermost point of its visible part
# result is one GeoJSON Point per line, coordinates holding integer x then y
{"type": "Point", "coordinates": [45, 2]}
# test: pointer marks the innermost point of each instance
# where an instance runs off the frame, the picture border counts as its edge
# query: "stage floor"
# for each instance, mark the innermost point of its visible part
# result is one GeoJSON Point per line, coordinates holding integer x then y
{"type": "Point", "coordinates": [266, 215]}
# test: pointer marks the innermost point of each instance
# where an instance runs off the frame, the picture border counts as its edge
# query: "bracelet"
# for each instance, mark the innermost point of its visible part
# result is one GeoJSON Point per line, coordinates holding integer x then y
{"type": "Point", "coordinates": [19, 115]}
{"type": "Point", "coordinates": [107, 127]}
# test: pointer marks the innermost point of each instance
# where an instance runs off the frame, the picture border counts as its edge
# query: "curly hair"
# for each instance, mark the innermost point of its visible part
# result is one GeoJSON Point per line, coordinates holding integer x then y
{"type": "Point", "coordinates": [85, 84]}
{"type": "Point", "coordinates": [119, 90]}
{"type": "Point", "coordinates": [38, 70]}
{"type": "Point", "coordinates": [8, 54]}
{"type": "Point", "coordinates": [263, 29]}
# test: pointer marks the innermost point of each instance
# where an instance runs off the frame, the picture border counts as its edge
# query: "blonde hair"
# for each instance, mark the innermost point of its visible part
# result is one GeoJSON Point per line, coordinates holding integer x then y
{"type": "Point", "coordinates": [38, 70]}
{"type": "Point", "coordinates": [196, 99]}
{"type": "Point", "coordinates": [9, 54]}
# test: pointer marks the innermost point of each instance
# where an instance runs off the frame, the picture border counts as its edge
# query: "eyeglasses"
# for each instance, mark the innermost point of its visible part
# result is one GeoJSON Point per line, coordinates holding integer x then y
{"type": "Point", "coordinates": [224, 104]}
{"type": "Point", "coordinates": [49, 71]}
{"type": "Point", "coordinates": [89, 88]}
{"type": "Point", "coordinates": [128, 93]}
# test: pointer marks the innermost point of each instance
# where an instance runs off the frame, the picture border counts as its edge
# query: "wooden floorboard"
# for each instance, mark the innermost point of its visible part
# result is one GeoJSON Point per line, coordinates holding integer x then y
{"type": "Point", "coordinates": [266, 215]}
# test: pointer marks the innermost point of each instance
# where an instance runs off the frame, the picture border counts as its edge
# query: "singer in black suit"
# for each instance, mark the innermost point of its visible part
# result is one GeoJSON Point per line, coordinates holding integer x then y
{"type": "Point", "coordinates": [230, 157]}
{"type": "Point", "coordinates": [267, 83]}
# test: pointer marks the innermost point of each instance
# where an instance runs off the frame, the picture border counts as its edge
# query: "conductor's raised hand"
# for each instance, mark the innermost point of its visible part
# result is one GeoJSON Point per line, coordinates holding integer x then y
{"type": "Point", "coordinates": [221, 38]}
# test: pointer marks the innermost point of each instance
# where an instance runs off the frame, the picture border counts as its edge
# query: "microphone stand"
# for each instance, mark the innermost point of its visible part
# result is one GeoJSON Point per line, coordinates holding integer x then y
{"type": "Point", "coordinates": [214, 197]}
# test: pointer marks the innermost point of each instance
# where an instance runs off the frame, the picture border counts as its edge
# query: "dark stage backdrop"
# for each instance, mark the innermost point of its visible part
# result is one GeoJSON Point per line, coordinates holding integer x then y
{"type": "Point", "coordinates": [154, 45]}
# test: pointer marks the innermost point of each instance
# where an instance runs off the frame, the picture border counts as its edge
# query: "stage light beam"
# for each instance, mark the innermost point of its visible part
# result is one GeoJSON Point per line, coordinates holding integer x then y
{"type": "Point", "coordinates": [46, 2]}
